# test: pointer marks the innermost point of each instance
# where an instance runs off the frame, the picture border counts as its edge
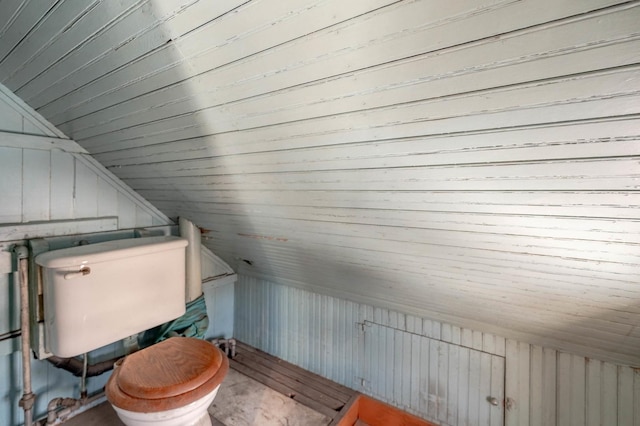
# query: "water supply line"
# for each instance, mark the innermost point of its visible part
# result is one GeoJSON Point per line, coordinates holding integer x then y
{"type": "Point", "coordinates": [60, 408]}
{"type": "Point", "coordinates": [28, 397]}
{"type": "Point", "coordinates": [76, 367]}
{"type": "Point", "coordinates": [191, 232]}
{"type": "Point", "coordinates": [228, 346]}
{"type": "Point", "coordinates": [83, 381]}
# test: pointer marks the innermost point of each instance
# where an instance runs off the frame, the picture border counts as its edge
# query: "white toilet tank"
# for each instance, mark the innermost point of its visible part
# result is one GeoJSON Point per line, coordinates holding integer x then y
{"type": "Point", "coordinates": [100, 293]}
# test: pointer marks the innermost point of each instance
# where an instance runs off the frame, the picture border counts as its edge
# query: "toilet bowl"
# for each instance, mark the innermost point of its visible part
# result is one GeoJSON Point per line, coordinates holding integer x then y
{"type": "Point", "coordinates": [171, 383]}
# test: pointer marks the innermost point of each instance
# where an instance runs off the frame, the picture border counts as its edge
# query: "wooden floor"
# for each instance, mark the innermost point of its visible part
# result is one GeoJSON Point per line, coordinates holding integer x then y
{"type": "Point", "coordinates": [312, 390]}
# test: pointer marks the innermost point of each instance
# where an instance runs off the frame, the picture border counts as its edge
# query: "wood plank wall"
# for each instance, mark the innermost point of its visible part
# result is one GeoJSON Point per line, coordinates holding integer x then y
{"type": "Point", "coordinates": [430, 156]}
{"type": "Point", "coordinates": [543, 387]}
{"type": "Point", "coordinates": [47, 181]}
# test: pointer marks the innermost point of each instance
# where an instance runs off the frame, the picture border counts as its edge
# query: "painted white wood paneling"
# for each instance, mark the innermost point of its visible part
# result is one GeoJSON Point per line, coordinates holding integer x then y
{"type": "Point", "coordinates": [419, 364]}
{"type": "Point", "coordinates": [49, 186]}
{"type": "Point", "coordinates": [548, 387]}
{"type": "Point", "coordinates": [460, 380]}
{"type": "Point", "coordinates": [44, 229]}
{"type": "Point", "coordinates": [415, 155]}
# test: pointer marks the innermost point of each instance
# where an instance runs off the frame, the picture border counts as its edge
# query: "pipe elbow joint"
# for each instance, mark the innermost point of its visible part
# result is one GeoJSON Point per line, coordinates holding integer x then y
{"type": "Point", "coordinates": [22, 252]}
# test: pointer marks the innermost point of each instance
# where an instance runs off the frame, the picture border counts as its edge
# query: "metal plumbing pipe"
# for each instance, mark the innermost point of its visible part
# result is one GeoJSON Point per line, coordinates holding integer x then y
{"type": "Point", "coordinates": [83, 382]}
{"type": "Point", "coordinates": [28, 397]}
{"type": "Point", "coordinates": [59, 407]}
{"type": "Point", "coordinates": [76, 367]}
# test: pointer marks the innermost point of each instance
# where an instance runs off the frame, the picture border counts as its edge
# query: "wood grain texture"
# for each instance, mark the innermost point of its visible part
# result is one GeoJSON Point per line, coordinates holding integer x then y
{"type": "Point", "coordinates": [173, 367]}
{"type": "Point", "coordinates": [181, 382]}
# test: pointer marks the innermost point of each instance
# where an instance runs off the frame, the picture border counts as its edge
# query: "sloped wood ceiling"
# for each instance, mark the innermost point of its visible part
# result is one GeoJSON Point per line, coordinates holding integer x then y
{"type": "Point", "coordinates": [473, 161]}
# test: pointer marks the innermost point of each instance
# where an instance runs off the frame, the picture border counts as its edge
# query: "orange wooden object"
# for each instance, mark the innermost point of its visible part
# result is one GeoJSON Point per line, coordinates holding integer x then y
{"type": "Point", "coordinates": [167, 375]}
{"type": "Point", "coordinates": [376, 413]}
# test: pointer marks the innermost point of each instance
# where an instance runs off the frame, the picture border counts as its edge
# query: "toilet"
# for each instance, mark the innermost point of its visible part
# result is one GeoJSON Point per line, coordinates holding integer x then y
{"type": "Point", "coordinates": [170, 383]}
{"type": "Point", "coordinates": [90, 293]}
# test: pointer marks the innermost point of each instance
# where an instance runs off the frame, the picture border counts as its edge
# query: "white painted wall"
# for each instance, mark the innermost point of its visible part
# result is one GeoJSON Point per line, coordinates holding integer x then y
{"type": "Point", "coordinates": [419, 155]}
{"type": "Point", "coordinates": [474, 162]}
{"type": "Point", "coordinates": [218, 287]}
{"type": "Point", "coordinates": [45, 183]}
{"type": "Point", "coordinates": [550, 387]}
{"type": "Point", "coordinates": [431, 368]}
{"type": "Point", "coordinates": [50, 186]}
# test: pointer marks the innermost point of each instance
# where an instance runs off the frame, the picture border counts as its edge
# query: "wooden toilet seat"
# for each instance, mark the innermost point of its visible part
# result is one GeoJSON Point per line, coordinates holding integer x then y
{"type": "Point", "coordinates": [168, 375]}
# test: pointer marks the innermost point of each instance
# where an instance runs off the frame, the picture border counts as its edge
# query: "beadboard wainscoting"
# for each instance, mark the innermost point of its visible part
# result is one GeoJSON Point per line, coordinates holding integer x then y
{"type": "Point", "coordinates": [433, 369]}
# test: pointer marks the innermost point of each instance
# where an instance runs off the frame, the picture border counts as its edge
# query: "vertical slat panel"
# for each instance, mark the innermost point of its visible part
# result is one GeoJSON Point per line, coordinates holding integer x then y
{"type": "Point", "coordinates": [474, 387]}
{"type": "Point", "coordinates": [11, 184]}
{"type": "Point", "coordinates": [296, 335]}
{"type": "Point", "coordinates": [86, 195]}
{"type": "Point", "coordinates": [388, 361]}
{"type": "Point", "coordinates": [443, 381]}
{"type": "Point", "coordinates": [484, 419]}
{"type": "Point", "coordinates": [408, 369]}
{"type": "Point", "coordinates": [535, 384]}
{"type": "Point", "coordinates": [416, 372]}
{"type": "Point", "coordinates": [434, 384]}
{"type": "Point", "coordinates": [36, 190]}
{"type": "Point", "coordinates": [453, 379]}
{"type": "Point", "coordinates": [425, 369]}
{"type": "Point", "coordinates": [549, 389]}
{"type": "Point", "coordinates": [564, 408]}
{"type": "Point", "coordinates": [407, 372]}
{"type": "Point", "coordinates": [428, 377]}
{"type": "Point", "coordinates": [398, 371]}
{"type": "Point", "coordinates": [497, 389]}
{"type": "Point", "coordinates": [62, 185]}
{"type": "Point", "coordinates": [126, 212]}
{"type": "Point", "coordinates": [636, 396]}
{"type": "Point", "coordinates": [625, 396]}
{"type": "Point", "coordinates": [594, 393]}
{"type": "Point", "coordinates": [517, 382]}
{"type": "Point", "coordinates": [578, 402]}
{"type": "Point", "coordinates": [463, 385]}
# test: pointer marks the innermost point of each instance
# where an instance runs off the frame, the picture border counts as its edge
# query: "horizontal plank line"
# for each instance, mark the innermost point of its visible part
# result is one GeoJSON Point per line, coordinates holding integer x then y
{"type": "Point", "coordinates": [93, 36]}
{"type": "Point", "coordinates": [35, 25]}
{"type": "Point", "coordinates": [451, 226]}
{"type": "Point", "coordinates": [206, 71]}
{"type": "Point", "coordinates": [306, 167]}
{"type": "Point", "coordinates": [550, 125]}
{"type": "Point", "coordinates": [454, 96]}
{"type": "Point", "coordinates": [85, 129]}
{"type": "Point", "coordinates": [536, 215]}
{"type": "Point", "coordinates": [455, 47]}
{"type": "Point", "coordinates": [462, 166]}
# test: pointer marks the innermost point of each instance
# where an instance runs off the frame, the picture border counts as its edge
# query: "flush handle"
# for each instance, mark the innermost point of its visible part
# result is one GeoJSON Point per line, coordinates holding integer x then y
{"type": "Point", "coordinates": [85, 270]}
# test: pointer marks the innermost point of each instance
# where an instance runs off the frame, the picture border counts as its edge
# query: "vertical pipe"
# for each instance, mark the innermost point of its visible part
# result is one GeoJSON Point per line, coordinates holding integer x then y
{"type": "Point", "coordinates": [83, 383]}
{"type": "Point", "coordinates": [28, 398]}
{"type": "Point", "coordinates": [193, 267]}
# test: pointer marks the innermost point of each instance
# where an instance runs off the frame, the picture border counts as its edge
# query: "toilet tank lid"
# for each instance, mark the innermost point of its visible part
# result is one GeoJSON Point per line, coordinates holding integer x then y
{"type": "Point", "coordinates": [108, 251]}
